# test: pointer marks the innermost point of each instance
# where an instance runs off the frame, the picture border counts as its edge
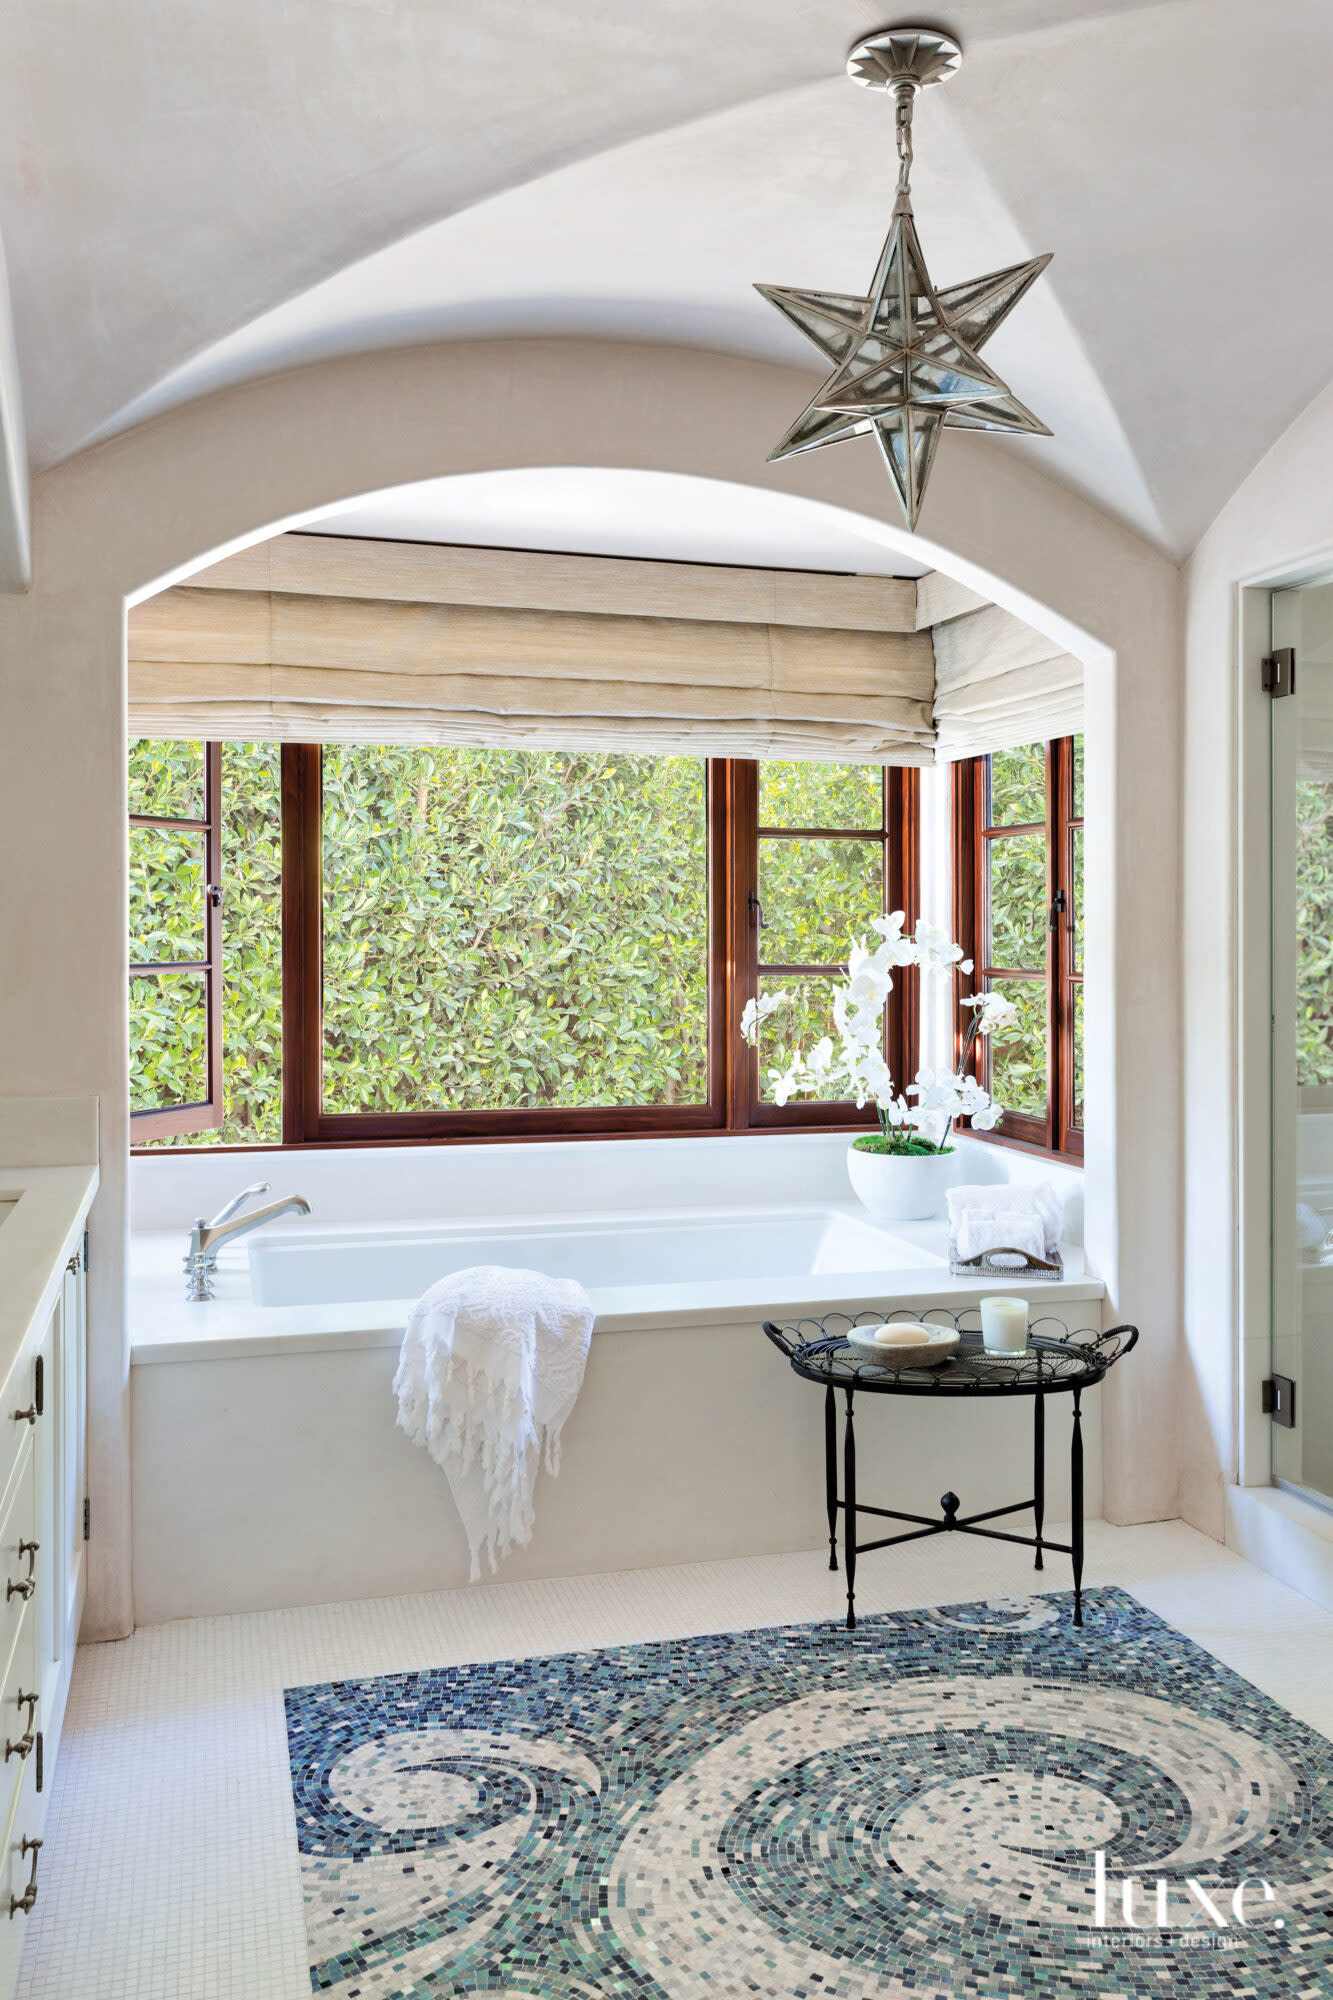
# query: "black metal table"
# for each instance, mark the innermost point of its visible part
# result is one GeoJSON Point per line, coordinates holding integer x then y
{"type": "Point", "coordinates": [820, 1352]}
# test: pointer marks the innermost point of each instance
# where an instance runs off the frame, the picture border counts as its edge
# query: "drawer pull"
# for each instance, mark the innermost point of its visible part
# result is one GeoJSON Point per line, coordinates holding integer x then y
{"type": "Point", "coordinates": [28, 1701]}
{"type": "Point", "coordinates": [29, 1549]}
{"type": "Point", "coordinates": [19, 1749]}
{"type": "Point", "coordinates": [29, 1896]}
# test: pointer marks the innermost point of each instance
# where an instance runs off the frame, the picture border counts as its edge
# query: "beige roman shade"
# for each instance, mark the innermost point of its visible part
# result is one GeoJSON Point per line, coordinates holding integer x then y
{"type": "Point", "coordinates": [998, 682]}
{"type": "Point", "coordinates": [323, 639]}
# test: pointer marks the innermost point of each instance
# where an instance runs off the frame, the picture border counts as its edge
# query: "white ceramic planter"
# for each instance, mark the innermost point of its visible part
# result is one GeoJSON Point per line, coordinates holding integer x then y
{"type": "Point", "coordinates": [906, 1189]}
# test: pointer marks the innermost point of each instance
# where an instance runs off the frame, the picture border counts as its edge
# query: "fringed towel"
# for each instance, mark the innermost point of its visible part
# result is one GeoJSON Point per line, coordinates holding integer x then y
{"type": "Point", "coordinates": [491, 1366]}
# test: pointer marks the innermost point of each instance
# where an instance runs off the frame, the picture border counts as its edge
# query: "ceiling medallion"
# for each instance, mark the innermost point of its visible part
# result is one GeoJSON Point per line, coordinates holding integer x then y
{"type": "Point", "coordinates": [906, 357]}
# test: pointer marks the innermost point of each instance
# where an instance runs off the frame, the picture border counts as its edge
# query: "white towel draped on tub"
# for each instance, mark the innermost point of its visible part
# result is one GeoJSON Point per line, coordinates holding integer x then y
{"type": "Point", "coordinates": [491, 1366]}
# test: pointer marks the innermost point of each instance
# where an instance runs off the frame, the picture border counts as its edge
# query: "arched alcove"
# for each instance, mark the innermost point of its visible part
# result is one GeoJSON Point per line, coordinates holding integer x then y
{"type": "Point", "coordinates": [139, 512]}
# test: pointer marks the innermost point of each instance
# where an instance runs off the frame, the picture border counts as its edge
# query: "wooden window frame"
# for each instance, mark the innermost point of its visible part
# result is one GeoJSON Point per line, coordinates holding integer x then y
{"type": "Point", "coordinates": [733, 1103]}
{"type": "Point", "coordinates": [176, 1120]}
{"type": "Point", "coordinates": [899, 837]}
{"type": "Point", "coordinates": [973, 835]}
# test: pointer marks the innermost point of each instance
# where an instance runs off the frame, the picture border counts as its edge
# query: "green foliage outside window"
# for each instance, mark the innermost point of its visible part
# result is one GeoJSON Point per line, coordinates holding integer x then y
{"type": "Point", "coordinates": [821, 795]}
{"type": "Point", "coordinates": [1314, 932]}
{"type": "Point", "coordinates": [1018, 786]}
{"type": "Point", "coordinates": [513, 928]}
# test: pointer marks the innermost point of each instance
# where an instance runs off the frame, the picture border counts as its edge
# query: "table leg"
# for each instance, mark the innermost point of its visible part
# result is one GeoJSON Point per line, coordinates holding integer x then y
{"type": "Point", "coordinates": [849, 1510]}
{"type": "Point", "coordinates": [1076, 1505]}
{"type": "Point", "coordinates": [831, 1472]}
{"type": "Point", "coordinates": [1039, 1468]}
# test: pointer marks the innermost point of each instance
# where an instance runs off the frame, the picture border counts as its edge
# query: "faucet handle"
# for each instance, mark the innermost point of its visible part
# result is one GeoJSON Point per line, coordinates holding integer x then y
{"type": "Point", "coordinates": [225, 1213]}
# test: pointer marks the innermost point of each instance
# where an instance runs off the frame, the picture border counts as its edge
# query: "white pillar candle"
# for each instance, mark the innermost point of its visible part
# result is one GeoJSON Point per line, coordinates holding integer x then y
{"type": "Point", "coordinates": [1004, 1325]}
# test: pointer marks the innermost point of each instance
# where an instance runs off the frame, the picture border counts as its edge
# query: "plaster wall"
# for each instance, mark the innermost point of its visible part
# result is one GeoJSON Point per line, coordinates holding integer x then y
{"type": "Point", "coordinates": [136, 512]}
{"type": "Point", "coordinates": [1276, 528]}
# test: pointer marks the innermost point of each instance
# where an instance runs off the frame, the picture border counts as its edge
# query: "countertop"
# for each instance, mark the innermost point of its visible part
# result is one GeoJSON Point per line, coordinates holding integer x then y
{"type": "Point", "coordinates": [38, 1235]}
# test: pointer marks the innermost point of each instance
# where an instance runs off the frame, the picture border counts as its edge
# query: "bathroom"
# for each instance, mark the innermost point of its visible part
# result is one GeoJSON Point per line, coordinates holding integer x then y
{"type": "Point", "coordinates": [450, 765]}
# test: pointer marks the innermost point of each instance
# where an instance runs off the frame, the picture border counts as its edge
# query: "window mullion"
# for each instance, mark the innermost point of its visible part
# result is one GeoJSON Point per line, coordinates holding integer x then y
{"type": "Point", "coordinates": [302, 942]}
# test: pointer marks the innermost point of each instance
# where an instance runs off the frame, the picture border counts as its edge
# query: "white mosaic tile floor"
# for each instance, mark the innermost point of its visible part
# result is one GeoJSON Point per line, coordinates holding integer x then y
{"type": "Point", "coordinates": [170, 1868]}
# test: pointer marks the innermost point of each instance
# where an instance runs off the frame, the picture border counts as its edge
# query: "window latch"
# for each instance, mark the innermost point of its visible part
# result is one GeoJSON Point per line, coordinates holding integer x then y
{"type": "Point", "coordinates": [756, 909]}
{"type": "Point", "coordinates": [1058, 908]}
{"type": "Point", "coordinates": [213, 891]}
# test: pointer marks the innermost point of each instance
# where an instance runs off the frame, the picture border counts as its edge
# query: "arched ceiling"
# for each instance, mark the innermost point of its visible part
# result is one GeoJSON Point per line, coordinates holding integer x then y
{"type": "Point", "coordinates": [599, 510]}
{"type": "Point", "coordinates": [192, 194]}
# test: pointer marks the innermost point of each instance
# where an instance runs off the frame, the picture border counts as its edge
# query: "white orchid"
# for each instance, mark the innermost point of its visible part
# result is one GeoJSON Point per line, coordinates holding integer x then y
{"type": "Point", "coordinates": [855, 1061]}
{"type": "Point", "coordinates": [935, 950]}
{"type": "Point", "coordinates": [756, 1011]}
{"type": "Point", "coordinates": [784, 1082]}
{"type": "Point", "coordinates": [900, 950]}
{"type": "Point", "coordinates": [992, 1011]}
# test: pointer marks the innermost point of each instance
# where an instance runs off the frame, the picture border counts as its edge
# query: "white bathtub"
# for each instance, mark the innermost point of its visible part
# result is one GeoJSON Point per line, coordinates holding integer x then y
{"type": "Point", "coordinates": [319, 1266]}
{"type": "Point", "coordinates": [268, 1468]}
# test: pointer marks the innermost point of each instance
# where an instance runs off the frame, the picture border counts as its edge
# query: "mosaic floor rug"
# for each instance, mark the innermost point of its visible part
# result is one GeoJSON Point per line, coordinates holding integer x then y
{"type": "Point", "coordinates": [914, 1809]}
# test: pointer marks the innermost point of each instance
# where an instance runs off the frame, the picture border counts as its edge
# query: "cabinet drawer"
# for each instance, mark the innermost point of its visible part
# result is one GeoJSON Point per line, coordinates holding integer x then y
{"type": "Point", "coordinates": [20, 1873]}
{"type": "Point", "coordinates": [19, 1556]}
{"type": "Point", "coordinates": [26, 1393]}
{"type": "Point", "coordinates": [20, 1721]}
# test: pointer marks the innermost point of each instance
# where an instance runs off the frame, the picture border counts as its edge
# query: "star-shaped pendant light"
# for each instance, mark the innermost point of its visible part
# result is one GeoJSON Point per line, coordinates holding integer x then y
{"type": "Point", "coordinates": [906, 357]}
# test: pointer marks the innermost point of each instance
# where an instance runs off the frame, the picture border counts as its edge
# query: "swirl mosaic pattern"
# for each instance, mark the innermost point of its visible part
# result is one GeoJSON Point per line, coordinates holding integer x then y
{"type": "Point", "coordinates": [907, 1811]}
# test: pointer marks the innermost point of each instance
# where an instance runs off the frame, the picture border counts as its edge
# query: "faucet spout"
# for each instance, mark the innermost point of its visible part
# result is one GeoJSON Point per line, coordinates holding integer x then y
{"type": "Point", "coordinates": [207, 1237]}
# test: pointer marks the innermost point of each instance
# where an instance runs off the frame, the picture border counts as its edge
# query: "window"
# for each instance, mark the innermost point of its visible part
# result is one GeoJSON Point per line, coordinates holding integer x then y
{"type": "Point", "coordinates": [1018, 895]}
{"type": "Point", "coordinates": [175, 940]}
{"type": "Point", "coordinates": [420, 943]}
{"type": "Point", "coordinates": [205, 1057]}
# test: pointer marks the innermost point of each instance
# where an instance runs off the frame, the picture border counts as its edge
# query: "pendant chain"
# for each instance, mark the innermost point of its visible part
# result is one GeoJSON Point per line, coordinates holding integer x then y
{"type": "Point", "coordinates": [905, 97]}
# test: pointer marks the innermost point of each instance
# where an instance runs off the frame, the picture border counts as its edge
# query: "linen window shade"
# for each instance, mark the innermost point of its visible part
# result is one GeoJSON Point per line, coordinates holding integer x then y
{"type": "Point", "coordinates": [998, 682]}
{"type": "Point", "coordinates": [321, 639]}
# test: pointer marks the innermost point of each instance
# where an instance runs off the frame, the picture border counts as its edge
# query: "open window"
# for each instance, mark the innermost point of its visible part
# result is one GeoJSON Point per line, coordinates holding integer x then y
{"type": "Point", "coordinates": [205, 943]}
{"type": "Point", "coordinates": [175, 939]}
{"type": "Point", "coordinates": [1018, 894]}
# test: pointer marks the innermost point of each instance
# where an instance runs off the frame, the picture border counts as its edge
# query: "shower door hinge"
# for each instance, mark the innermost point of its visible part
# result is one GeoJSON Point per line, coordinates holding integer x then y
{"type": "Point", "coordinates": [1278, 672]}
{"type": "Point", "coordinates": [87, 1519]}
{"type": "Point", "coordinates": [1279, 1401]}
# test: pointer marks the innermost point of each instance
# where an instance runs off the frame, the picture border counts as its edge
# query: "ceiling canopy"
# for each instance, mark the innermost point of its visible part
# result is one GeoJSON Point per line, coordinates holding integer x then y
{"type": "Point", "coordinates": [192, 195]}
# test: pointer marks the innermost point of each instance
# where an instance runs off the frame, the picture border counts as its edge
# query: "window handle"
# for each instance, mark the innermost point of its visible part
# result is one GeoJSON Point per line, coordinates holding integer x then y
{"type": "Point", "coordinates": [756, 911]}
{"type": "Point", "coordinates": [1058, 907]}
{"type": "Point", "coordinates": [213, 891]}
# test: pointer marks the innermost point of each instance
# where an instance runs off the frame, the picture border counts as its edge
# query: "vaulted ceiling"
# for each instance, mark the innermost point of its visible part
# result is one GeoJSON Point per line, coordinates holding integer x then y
{"type": "Point", "coordinates": [194, 192]}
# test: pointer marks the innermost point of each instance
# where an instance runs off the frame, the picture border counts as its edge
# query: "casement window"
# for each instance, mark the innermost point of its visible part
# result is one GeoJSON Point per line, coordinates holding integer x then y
{"type": "Point", "coordinates": [444, 942]}
{"type": "Point", "coordinates": [1018, 894]}
{"type": "Point", "coordinates": [175, 940]}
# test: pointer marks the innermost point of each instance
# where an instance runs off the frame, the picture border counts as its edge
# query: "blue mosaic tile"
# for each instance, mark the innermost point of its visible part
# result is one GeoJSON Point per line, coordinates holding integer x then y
{"type": "Point", "coordinates": [913, 1809]}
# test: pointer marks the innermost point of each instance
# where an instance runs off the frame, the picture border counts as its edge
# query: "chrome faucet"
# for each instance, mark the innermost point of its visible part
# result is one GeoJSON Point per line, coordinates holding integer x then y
{"type": "Point", "coordinates": [206, 1237]}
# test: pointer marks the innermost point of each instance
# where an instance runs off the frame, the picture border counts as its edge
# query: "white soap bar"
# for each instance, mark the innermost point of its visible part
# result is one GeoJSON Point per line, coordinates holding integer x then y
{"type": "Point", "coordinates": [907, 1333]}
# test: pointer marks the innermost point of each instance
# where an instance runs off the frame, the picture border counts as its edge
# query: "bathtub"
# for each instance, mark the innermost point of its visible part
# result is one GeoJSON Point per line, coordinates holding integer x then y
{"type": "Point", "coordinates": [676, 1251]}
{"type": "Point", "coordinates": [268, 1469]}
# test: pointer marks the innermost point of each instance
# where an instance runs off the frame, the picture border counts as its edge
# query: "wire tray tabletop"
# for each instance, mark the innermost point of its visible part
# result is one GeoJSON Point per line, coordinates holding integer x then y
{"type": "Point", "coordinates": [1056, 1359]}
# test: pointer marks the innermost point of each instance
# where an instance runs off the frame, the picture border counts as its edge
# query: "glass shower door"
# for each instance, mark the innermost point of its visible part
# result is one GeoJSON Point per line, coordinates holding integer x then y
{"type": "Point", "coordinates": [1302, 960]}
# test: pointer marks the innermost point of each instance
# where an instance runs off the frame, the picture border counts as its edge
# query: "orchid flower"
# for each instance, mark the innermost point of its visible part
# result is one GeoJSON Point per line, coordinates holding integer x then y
{"type": "Point", "coordinates": [854, 1060]}
{"type": "Point", "coordinates": [756, 1011]}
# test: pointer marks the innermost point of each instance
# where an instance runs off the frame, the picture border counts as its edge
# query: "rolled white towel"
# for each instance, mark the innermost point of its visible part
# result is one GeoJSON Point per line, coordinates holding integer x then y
{"type": "Point", "coordinates": [1036, 1198]}
{"type": "Point", "coordinates": [1002, 1231]}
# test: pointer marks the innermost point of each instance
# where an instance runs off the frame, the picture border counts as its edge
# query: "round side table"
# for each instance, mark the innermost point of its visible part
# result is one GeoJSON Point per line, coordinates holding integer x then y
{"type": "Point", "coordinates": [1056, 1363]}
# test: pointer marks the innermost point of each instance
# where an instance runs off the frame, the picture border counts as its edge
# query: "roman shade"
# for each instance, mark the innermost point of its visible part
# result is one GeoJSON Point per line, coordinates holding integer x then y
{"type": "Point", "coordinates": [325, 639]}
{"type": "Point", "coordinates": [998, 682]}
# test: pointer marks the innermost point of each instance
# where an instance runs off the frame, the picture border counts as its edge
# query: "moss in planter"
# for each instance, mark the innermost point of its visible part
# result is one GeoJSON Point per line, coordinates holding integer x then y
{"type": "Point", "coordinates": [899, 1149]}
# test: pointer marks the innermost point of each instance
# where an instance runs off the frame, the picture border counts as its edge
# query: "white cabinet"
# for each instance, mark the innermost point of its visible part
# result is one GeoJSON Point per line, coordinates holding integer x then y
{"type": "Point", "coordinates": [42, 1425]}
